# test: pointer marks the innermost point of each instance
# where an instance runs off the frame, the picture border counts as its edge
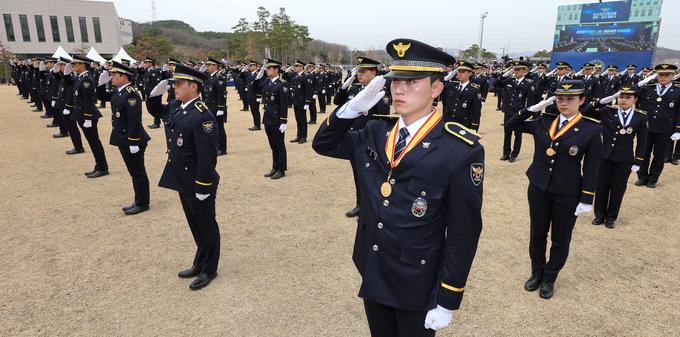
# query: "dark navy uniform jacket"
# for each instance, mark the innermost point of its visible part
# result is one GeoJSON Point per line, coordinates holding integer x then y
{"type": "Point", "coordinates": [215, 90]}
{"type": "Point", "coordinates": [407, 261]}
{"type": "Point", "coordinates": [561, 173]}
{"type": "Point", "coordinates": [463, 107]}
{"type": "Point", "coordinates": [275, 98]}
{"type": "Point", "coordinates": [592, 92]}
{"type": "Point", "coordinates": [618, 147]}
{"type": "Point", "coordinates": [192, 146]}
{"type": "Point", "coordinates": [301, 85]}
{"type": "Point", "coordinates": [83, 98]}
{"type": "Point", "coordinates": [483, 82]}
{"type": "Point", "coordinates": [65, 95]}
{"type": "Point", "coordinates": [609, 87]}
{"type": "Point", "coordinates": [248, 78]}
{"type": "Point", "coordinates": [151, 78]}
{"type": "Point", "coordinates": [345, 95]}
{"type": "Point", "coordinates": [664, 116]}
{"type": "Point", "coordinates": [630, 80]}
{"type": "Point", "coordinates": [516, 97]}
{"type": "Point", "coordinates": [126, 118]}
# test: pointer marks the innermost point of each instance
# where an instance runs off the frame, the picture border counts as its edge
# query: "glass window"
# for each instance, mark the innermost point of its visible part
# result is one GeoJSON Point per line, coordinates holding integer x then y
{"type": "Point", "coordinates": [40, 28]}
{"type": "Point", "coordinates": [569, 7]}
{"type": "Point", "coordinates": [650, 12]}
{"type": "Point", "coordinates": [575, 16]}
{"type": "Point", "coordinates": [634, 2]}
{"type": "Point", "coordinates": [97, 30]}
{"type": "Point", "coordinates": [636, 12]}
{"type": "Point", "coordinates": [83, 30]}
{"type": "Point", "coordinates": [658, 12]}
{"type": "Point", "coordinates": [9, 27]}
{"type": "Point", "coordinates": [571, 16]}
{"type": "Point", "coordinates": [55, 29]}
{"type": "Point", "coordinates": [649, 2]}
{"type": "Point", "coordinates": [69, 29]}
{"type": "Point", "coordinates": [643, 13]}
{"type": "Point", "coordinates": [23, 20]}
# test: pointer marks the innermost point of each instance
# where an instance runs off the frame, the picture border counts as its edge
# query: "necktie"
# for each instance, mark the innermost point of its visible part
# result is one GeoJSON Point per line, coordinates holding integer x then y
{"type": "Point", "coordinates": [401, 143]}
{"type": "Point", "coordinates": [625, 114]}
{"type": "Point", "coordinates": [564, 122]}
{"type": "Point", "coordinates": [176, 111]}
{"type": "Point", "coordinates": [460, 88]}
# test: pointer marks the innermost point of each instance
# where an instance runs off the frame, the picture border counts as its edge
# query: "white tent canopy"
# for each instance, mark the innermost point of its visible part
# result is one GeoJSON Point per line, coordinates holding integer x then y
{"type": "Point", "coordinates": [94, 55]}
{"type": "Point", "coordinates": [123, 55]}
{"type": "Point", "coordinates": [61, 53]}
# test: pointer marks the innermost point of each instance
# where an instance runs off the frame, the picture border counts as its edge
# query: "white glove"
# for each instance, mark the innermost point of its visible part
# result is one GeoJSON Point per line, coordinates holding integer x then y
{"type": "Point", "coordinates": [634, 168]}
{"type": "Point", "coordinates": [104, 78]}
{"type": "Point", "coordinates": [543, 96]}
{"type": "Point", "coordinates": [258, 100]}
{"type": "Point", "coordinates": [368, 97]}
{"type": "Point", "coordinates": [314, 96]}
{"type": "Point", "coordinates": [583, 208]}
{"type": "Point", "coordinates": [160, 88]}
{"type": "Point", "coordinates": [41, 66]}
{"type": "Point", "coordinates": [640, 73]}
{"type": "Point", "coordinates": [675, 77]}
{"type": "Point", "coordinates": [552, 72]}
{"type": "Point", "coordinates": [244, 69]}
{"type": "Point", "coordinates": [56, 69]}
{"type": "Point", "coordinates": [438, 318]}
{"type": "Point", "coordinates": [482, 103]}
{"type": "Point", "coordinates": [623, 72]}
{"type": "Point", "coordinates": [675, 136]}
{"type": "Point", "coordinates": [507, 73]}
{"type": "Point", "coordinates": [646, 80]}
{"type": "Point", "coordinates": [579, 73]}
{"type": "Point", "coordinates": [202, 197]}
{"type": "Point", "coordinates": [610, 99]}
{"type": "Point", "coordinates": [450, 75]}
{"type": "Point", "coordinates": [534, 69]}
{"type": "Point", "coordinates": [66, 112]}
{"type": "Point", "coordinates": [261, 73]}
{"type": "Point", "coordinates": [306, 107]}
{"type": "Point", "coordinates": [541, 105]}
{"type": "Point", "coordinates": [166, 67]}
{"type": "Point", "coordinates": [350, 79]}
{"type": "Point", "coordinates": [203, 68]}
{"type": "Point", "coordinates": [87, 123]}
{"type": "Point", "coordinates": [134, 149]}
{"type": "Point", "coordinates": [473, 130]}
{"type": "Point", "coordinates": [289, 68]}
{"type": "Point", "coordinates": [282, 128]}
{"type": "Point", "coordinates": [54, 103]}
{"type": "Point", "coordinates": [323, 91]}
{"type": "Point", "coordinates": [220, 112]}
{"type": "Point", "coordinates": [68, 69]}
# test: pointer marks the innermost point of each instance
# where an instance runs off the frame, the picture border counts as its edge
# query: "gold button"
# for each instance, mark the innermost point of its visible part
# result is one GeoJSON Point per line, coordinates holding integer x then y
{"type": "Point", "coordinates": [375, 248]}
{"type": "Point", "coordinates": [386, 203]}
{"type": "Point", "coordinates": [550, 169]}
{"type": "Point", "coordinates": [169, 160]}
{"type": "Point", "coordinates": [172, 130]}
{"type": "Point", "coordinates": [422, 262]}
{"type": "Point", "coordinates": [185, 168]}
{"type": "Point", "coordinates": [422, 194]}
{"type": "Point", "coordinates": [557, 144]}
{"type": "Point", "coordinates": [380, 225]}
{"type": "Point", "coordinates": [368, 164]}
{"type": "Point", "coordinates": [392, 181]}
{"type": "Point", "coordinates": [552, 161]}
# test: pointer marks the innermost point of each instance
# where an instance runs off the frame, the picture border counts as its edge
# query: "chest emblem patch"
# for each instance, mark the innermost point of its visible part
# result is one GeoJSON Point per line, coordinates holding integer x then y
{"type": "Point", "coordinates": [208, 126]}
{"type": "Point", "coordinates": [477, 173]}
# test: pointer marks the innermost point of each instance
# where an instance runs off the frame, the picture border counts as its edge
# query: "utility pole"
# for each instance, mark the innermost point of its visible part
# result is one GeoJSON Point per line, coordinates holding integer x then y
{"type": "Point", "coordinates": [153, 11]}
{"type": "Point", "coordinates": [481, 33]}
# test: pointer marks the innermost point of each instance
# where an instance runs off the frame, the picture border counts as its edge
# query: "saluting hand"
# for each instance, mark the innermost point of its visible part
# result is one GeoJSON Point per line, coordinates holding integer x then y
{"type": "Point", "coordinates": [610, 99]}
{"type": "Point", "coordinates": [542, 104]}
{"type": "Point", "coordinates": [646, 80]}
{"type": "Point", "coordinates": [160, 88]}
{"type": "Point", "coordinates": [451, 74]}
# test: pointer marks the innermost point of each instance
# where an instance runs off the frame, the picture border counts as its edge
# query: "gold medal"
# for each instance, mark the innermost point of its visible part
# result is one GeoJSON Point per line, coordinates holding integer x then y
{"type": "Point", "coordinates": [550, 152]}
{"type": "Point", "coordinates": [386, 189]}
{"type": "Point", "coordinates": [659, 99]}
{"type": "Point", "coordinates": [622, 131]}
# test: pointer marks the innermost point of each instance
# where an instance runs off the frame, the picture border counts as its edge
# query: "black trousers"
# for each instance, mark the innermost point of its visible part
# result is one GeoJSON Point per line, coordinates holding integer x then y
{"type": "Point", "coordinates": [508, 138]}
{"type": "Point", "coordinates": [329, 95]}
{"type": "Point", "coordinates": [92, 136]}
{"type": "Point", "coordinates": [255, 111]}
{"type": "Point", "coordinates": [658, 144]}
{"type": "Point", "coordinates": [135, 166]}
{"type": "Point", "coordinates": [300, 120]}
{"type": "Point", "coordinates": [673, 151]}
{"type": "Point", "coordinates": [201, 218]}
{"type": "Point", "coordinates": [244, 100]}
{"type": "Point", "coordinates": [356, 182]}
{"type": "Point", "coordinates": [222, 132]}
{"type": "Point", "coordinates": [278, 146]}
{"type": "Point", "coordinates": [499, 101]}
{"type": "Point", "coordinates": [57, 117]}
{"type": "Point", "coordinates": [312, 110]}
{"type": "Point", "coordinates": [101, 94]}
{"type": "Point", "coordinates": [37, 99]}
{"type": "Point", "coordinates": [612, 181]}
{"type": "Point", "coordinates": [548, 210]}
{"type": "Point", "coordinates": [386, 321]}
{"type": "Point", "coordinates": [74, 133]}
{"type": "Point", "coordinates": [322, 102]}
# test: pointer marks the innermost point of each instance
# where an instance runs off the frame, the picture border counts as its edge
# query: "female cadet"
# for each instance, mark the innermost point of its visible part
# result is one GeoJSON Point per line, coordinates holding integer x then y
{"type": "Point", "coordinates": [558, 192]}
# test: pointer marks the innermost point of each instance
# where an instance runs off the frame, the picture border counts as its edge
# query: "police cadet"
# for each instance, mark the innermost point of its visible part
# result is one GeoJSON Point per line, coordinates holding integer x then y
{"type": "Point", "coordinates": [558, 192]}
{"type": "Point", "coordinates": [591, 82]}
{"type": "Point", "coordinates": [481, 79]}
{"type": "Point", "coordinates": [661, 101]}
{"type": "Point", "coordinates": [622, 125]}
{"type": "Point", "coordinates": [65, 104]}
{"type": "Point", "coordinates": [85, 111]}
{"type": "Point", "coordinates": [167, 73]}
{"type": "Point", "coordinates": [253, 96]}
{"type": "Point", "coordinates": [311, 74]}
{"type": "Point", "coordinates": [190, 169]}
{"type": "Point", "coordinates": [559, 74]}
{"type": "Point", "coordinates": [214, 93]}
{"type": "Point", "coordinates": [421, 180]}
{"type": "Point", "coordinates": [610, 83]}
{"type": "Point", "coordinates": [149, 78]}
{"type": "Point", "coordinates": [365, 71]}
{"type": "Point", "coordinates": [462, 100]}
{"type": "Point", "coordinates": [322, 85]}
{"type": "Point", "coordinates": [128, 133]}
{"type": "Point", "coordinates": [630, 78]}
{"type": "Point", "coordinates": [275, 98]}
{"type": "Point", "coordinates": [52, 82]}
{"type": "Point", "coordinates": [301, 86]}
{"type": "Point", "coordinates": [519, 93]}
{"type": "Point", "coordinates": [35, 88]}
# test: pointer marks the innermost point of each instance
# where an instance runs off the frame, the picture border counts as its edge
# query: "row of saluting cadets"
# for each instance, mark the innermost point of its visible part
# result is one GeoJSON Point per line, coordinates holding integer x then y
{"type": "Point", "coordinates": [413, 274]}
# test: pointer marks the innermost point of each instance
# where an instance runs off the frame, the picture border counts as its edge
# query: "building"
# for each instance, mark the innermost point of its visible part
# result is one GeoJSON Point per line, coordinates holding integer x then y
{"type": "Point", "coordinates": [39, 27]}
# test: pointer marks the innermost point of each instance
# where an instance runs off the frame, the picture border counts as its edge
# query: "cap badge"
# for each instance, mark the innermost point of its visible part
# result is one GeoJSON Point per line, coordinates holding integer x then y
{"type": "Point", "coordinates": [626, 89]}
{"type": "Point", "coordinates": [567, 86]}
{"type": "Point", "coordinates": [664, 66]}
{"type": "Point", "coordinates": [360, 59]}
{"type": "Point", "coordinates": [401, 48]}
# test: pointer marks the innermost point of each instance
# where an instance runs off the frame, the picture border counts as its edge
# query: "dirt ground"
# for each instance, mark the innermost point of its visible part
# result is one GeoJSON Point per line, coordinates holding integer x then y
{"type": "Point", "coordinates": [75, 265]}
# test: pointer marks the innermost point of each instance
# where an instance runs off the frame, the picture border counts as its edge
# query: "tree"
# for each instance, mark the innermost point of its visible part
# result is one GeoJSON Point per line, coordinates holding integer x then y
{"type": "Point", "coordinates": [5, 56]}
{"type": "Point", "coordinates": [543, 53]}
{"type": "Point", "coordinates": [81, 50]}
{"type": "Point", "coordinates": [471, 53]}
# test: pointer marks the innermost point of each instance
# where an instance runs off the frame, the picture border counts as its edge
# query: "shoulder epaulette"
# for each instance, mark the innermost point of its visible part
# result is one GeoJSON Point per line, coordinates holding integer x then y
{"type": "Point", "coordinates": [386, 117]}
{"type": "Point", "coordinates": [641, 111]}
{"type": "Point", "coordinates": [200, 106]}
{"type": "Point", "coordinates": [358, 83]}
{"type": "Point", "coordinates": [596, 76]}
{"type": "Point", "coordinates": [650, 85]}
{"type": "Point", "coordinates": [591, 119]}
{"type": "Point", "coordinates": [548, 114]}
{"type": "Point", "coordinates": [282, 80]}
{"type": "Point", "coordinates": [530, 80]}
{"type": "Point", "coordinates": [462, 132]}
{"type": "Point", "coordinates": [85, 74]}
{"type": "Point", "coordinates": [677, 85]}
{"type": "Point", "coordinates": [130, 89]}
{"type": "Point", "coordinates": [613, 106]}
{"type": "Point", "coordinates": [475, 85]}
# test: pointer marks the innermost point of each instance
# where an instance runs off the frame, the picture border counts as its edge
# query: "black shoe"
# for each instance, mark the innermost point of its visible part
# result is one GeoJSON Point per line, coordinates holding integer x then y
{"type": "Point", "coordinates": [667, 159]}
{"type": "Point", "coordinates": [30, 102]}
{"type": "Point", "coordinates": [322, 111]}
{"type": "Point", "coordinates": [90, 172]}
{"type": "Point", "coordinates": [202, 281]}
{"type": "Point", "coordinates": [102, 106]}
{"type": "Point", "coordinates": [60, 135]}
{"type": "Point", "coordinates": [271, 173]}
{"type": "Point", "coordinates": [52, 125]}
{"type": "Point", "coordinates": [597, 221]}
{"type": "Point", "coordinates": [45, 116]}
{"type": "Point", "coordinates": [674, 162]}
{"type": "Point", "coordinates": [353, 212]}
{"type": "Point", "coordinates": [40, 110]}
{"type": "Point", "coordinates": [154, 126]}
{"type": "Point", "coordinates": [97, 174]}
{"type": "Point", "coordinates": [609, 224]}
{"type": "Point", "coordinates": [74, 151]}
{"type": "Point", "coordinates": [130, 207]}
{"type": "Point", "coordinates": [302, 140]}
{"type": "Point", "coordinates": [221, 153]}
{"type": "Point", "coordinates": [505, 157]}
{"type": "Point", "coordinates": [244, 110]}
{"type": "Point", "coordinates": [651, 185]}
{"type": "Point", "coordinates": [547, 290]}
{"type": "Point", "coordinates": [136, 209]}
{"type": "Point", "coordinates": [189, 273]}
{"type": "Point", "coordinates": [279, 174]}
{"type": "Point", "coordinates": [311, 122]}
{"type": "Point", "coordinates": [297, 139]}
{"type": "Point", "coordinates": [254, 128]}
{"type": "Point", "coordinates": [533, 283]}
{"type": "Point", "coordinates": [641, 182]}
{"type": "Point", "coordinates": [512, 159]}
